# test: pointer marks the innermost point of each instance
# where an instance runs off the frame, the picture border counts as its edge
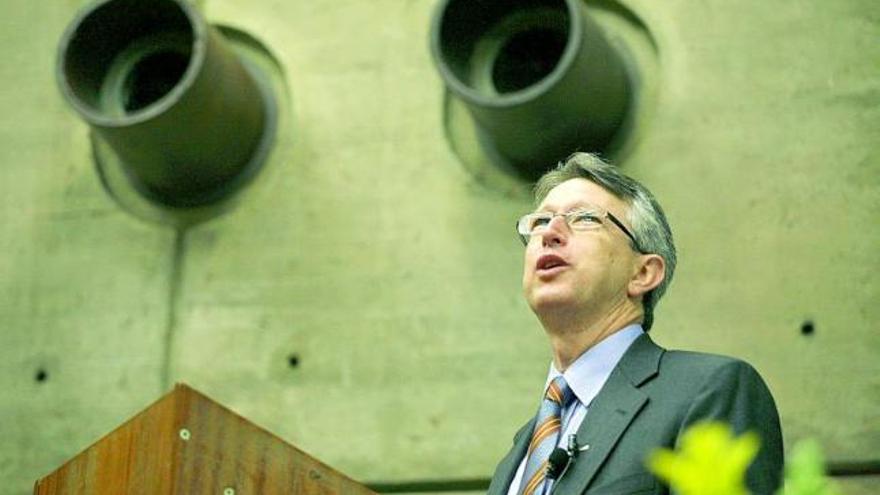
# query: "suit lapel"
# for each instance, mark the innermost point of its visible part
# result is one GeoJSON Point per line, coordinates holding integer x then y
{"type": "Point", "coordinates": [611, 413]}
{"type": "Point", "coordinates": [507, 467]}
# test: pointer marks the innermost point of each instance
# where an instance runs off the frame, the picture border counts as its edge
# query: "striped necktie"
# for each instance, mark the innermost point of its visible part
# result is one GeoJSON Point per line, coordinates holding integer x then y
{"type": "Point", "coordinates": [545, 436]}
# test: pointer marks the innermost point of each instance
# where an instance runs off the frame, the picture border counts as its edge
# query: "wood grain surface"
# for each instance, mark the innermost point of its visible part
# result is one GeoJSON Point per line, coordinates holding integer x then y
{"type": "Point", "coordinates": [185, 443]}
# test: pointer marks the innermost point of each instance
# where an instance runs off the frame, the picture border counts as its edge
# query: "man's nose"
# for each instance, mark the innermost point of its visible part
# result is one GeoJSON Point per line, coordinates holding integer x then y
{"type": "Point", "coordinates": [556, 232]}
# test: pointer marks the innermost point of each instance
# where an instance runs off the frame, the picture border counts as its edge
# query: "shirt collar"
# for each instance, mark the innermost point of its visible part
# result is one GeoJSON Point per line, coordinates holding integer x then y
{"type": "Point", "coordinates": [588, 373]}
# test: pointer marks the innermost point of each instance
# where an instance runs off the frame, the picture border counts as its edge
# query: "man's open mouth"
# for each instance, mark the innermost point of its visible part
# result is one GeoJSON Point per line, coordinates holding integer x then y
{"type": "Point", "coordinates": [549, 262]}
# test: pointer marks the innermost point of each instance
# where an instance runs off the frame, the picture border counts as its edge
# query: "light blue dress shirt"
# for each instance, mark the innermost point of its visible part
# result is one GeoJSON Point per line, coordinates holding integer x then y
{"type": "Point", "coordinates": [585, 377]}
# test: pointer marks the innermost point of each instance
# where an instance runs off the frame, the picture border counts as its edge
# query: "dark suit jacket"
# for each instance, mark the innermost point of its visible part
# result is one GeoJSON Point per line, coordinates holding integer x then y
{"type": "Point", "coordinates": [650, 399]}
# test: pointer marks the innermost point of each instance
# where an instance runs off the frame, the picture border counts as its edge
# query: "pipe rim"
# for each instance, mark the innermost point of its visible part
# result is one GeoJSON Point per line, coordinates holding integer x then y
{"type": "Point", "coordinates": [514, 98]}
{"type": "Point", "coordinates": [152, 110]}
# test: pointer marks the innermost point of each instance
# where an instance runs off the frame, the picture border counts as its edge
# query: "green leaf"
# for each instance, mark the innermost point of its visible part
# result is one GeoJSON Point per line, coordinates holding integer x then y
{"type": "Point", "coordinates": [710, 460]}
{"type": "Point", "coordinates": [805, 472]}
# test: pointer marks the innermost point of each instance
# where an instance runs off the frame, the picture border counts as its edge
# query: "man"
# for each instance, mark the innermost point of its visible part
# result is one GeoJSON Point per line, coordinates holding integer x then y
{"type": "Point", "coordinates": [599, 255]}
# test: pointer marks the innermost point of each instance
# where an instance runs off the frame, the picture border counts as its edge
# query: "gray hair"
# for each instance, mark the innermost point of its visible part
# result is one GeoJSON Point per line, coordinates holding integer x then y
{"type": "Point", "coordinates": [648, 221]}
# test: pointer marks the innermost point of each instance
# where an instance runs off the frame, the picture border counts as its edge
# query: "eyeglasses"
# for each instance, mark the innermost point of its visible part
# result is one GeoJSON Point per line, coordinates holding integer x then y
{"type": "Point", "coordinates": [580, 220]}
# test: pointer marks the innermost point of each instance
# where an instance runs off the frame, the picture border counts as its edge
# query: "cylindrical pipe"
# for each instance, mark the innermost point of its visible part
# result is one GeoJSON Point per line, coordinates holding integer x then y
{"type": "Point", "coordinates": [538, 77]}
{"type": "Point", "coordinates": [163, 90]}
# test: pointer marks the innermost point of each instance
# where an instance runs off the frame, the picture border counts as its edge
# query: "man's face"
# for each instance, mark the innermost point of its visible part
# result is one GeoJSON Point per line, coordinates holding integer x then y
{"type": "Point", "coordinates": [580, 270]}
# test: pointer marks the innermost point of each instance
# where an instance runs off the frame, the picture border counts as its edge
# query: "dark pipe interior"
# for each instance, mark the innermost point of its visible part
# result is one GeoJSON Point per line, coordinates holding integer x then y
{"type": "Point", "coordinates": [531, 36]}
{"type": "Point", "coordinates": [151, 42]}
{"type": "Point", "coordinates": [526, 58]}
{"type": "Point", "coordinates": [152, 77]}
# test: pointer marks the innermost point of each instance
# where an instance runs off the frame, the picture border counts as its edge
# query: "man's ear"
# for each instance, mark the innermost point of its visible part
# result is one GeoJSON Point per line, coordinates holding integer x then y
{"type": "Point", "coordinates": [650, 271]}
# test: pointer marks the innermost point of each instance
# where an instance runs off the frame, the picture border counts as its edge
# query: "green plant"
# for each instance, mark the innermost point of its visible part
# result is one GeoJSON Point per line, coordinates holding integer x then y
{"type": "Point", "coordinates": [805, 472]}
{"type": "Point", "coordinates": [710, 460]}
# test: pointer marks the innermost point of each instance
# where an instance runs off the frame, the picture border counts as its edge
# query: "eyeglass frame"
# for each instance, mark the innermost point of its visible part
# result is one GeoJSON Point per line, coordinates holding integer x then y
{"type": "Point", "coordinates": [599, 213]}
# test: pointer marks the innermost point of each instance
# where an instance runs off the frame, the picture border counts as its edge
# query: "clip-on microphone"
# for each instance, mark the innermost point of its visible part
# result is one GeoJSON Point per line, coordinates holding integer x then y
{"type": "Point", "coordinates": [560, 459]}
{"type": "Point", "coordinates": [557, 463]}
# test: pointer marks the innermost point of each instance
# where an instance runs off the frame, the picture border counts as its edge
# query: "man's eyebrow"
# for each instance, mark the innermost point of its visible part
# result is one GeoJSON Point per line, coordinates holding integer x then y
{"type": "Point", "coordinates": [578, 205]}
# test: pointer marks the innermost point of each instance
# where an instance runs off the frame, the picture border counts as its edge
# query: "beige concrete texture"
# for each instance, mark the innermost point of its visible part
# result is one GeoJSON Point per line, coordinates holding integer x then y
{"type": "Point", "coordinates": [858, 485]}
{"type": "Point", "coordinates": [83, 286]}
{"type": "Point", "coordinates": [362, 300]}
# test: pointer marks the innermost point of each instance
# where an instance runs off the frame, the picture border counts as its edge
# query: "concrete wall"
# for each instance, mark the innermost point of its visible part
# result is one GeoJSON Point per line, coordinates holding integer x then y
{"type": "Point", "coordinates": [369, 254]}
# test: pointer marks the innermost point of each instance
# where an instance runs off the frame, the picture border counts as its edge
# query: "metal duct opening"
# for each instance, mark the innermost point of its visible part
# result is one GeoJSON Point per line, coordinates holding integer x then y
{"type": "Point", "coordinates": [537, 76]}
{"type": "Point", "coordinates": [123, 55]}
{"type": "Point", "coordinates": [181, 112]}
{"type": "Point", "coordinates": [526, 58]}
{"type": "Point", "coordinates": [151, 78]}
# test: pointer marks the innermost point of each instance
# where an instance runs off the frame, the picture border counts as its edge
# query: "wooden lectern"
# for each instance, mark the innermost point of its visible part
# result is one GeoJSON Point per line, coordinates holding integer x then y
{"type": "Point", "coordinates": [188, 444]}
